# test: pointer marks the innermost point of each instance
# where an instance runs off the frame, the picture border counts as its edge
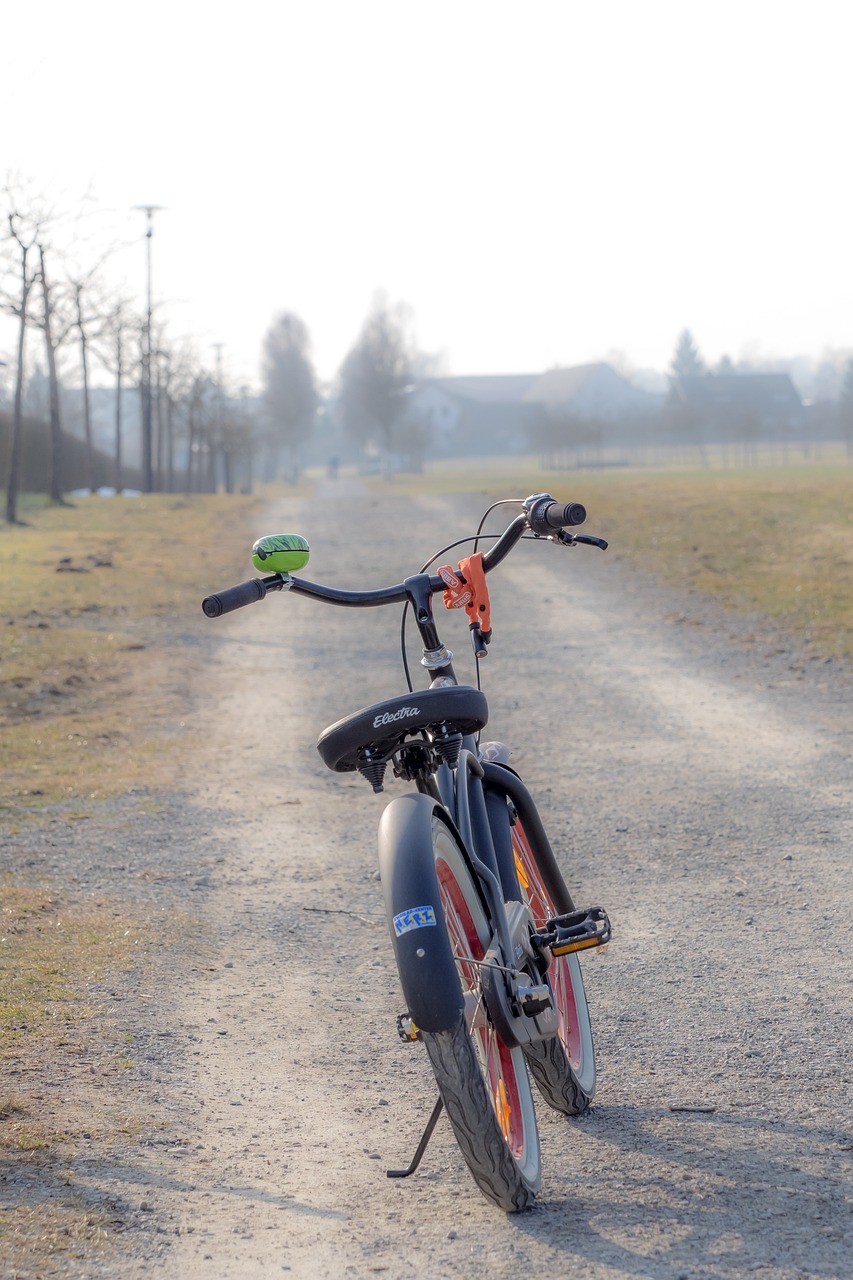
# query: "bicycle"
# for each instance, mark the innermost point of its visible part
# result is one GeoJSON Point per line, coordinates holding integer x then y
{"type": "Point", "coordinates": [485, 932]}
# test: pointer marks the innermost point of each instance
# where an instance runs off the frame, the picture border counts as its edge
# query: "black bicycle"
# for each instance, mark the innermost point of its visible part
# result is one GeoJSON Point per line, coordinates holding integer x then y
{"type": "Point", "coordinates": [485, 933]}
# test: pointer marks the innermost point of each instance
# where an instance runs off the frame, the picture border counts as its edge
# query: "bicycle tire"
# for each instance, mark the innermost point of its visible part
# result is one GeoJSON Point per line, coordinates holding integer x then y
{"type": "Point", "coordinates": [563, 1067]}
{"type": "Point", "coordinates": [483, 1082]}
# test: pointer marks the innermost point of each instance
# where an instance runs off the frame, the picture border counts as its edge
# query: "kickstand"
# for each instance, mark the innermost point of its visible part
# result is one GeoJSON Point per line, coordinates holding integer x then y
{"type": "Point", "coordinates": [422, 1145]}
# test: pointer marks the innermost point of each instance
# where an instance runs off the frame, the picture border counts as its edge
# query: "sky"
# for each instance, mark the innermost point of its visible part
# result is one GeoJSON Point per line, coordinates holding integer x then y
{"type": "Point", "coordinates": [542, 183]}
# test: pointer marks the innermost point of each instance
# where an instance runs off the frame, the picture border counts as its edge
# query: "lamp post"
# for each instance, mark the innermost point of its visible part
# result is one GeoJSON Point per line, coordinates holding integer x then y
{"type": "Point", "coordinates": [147, 473]}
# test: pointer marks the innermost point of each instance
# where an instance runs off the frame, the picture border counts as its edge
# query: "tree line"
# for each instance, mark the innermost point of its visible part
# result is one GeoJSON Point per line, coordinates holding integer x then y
{"type": "Point", "coordinates": [53, 284]}
{"type": "Point", "coordinates": [202, 431]}
{"type": "Point", "coordinates": [732, 408]}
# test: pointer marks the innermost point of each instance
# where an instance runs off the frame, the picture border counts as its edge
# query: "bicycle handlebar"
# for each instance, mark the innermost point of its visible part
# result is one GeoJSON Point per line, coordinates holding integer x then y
{"type": "Point", "coordinates": [545, 516]}
{"type": "Point", "coordinates": [234, 597]}
{"type": "Point", "coordinates": [542, 516]}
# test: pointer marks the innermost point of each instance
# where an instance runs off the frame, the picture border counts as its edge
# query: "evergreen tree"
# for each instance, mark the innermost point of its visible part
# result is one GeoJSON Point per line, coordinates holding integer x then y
{"type": "Point", "coordinates": [687, 362]}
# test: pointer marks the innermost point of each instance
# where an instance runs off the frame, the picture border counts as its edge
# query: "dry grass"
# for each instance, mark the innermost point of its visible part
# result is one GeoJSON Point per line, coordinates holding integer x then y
{"type": "Point", "coordinates": [777, 541]}
{"type": "Point", "coordinates": [53, 946]}
{"type": "Point", "coordinates": [91, 595]}
{"type": "Point", "coordinates": [60, 1043]}
{"type": "Point", "coordinates": [37, 1238]}
{"type": "Point", "coordinates": [98, 614]}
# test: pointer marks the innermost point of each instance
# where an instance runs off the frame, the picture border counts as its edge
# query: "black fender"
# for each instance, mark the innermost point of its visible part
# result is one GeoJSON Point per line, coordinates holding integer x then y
{"type": "Point", "coordinates": [502, 777]}
{"type": "Point", "coordinates": [425, 961]}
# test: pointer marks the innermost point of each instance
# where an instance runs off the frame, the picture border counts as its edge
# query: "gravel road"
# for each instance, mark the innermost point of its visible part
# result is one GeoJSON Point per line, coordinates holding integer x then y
{"type": "Point", "coordinates": [694, 772]}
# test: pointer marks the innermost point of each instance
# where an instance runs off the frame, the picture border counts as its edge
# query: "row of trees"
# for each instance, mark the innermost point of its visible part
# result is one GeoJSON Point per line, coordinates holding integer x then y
{"type": "Point", "coordinates": [828, 381]}
{"type": "Point", "coordinates": [717, 411]}
{"type": "Point", "coordinates": [368, 405]}
{"type": "Point", "coordinates": [204, 432]}
{"type": "Point", "coordinates": [70, 325]}
{"type": "Point", "coordinates": [828, 413]}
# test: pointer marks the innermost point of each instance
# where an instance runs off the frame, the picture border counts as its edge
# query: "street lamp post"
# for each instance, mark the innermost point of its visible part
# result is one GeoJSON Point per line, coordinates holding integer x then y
{"type": "Point", "coordinates": [147, 471]}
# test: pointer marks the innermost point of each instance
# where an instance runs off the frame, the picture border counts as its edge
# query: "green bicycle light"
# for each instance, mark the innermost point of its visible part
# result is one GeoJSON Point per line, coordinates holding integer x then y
{"type": "Point", "coordinates": [280, 553]}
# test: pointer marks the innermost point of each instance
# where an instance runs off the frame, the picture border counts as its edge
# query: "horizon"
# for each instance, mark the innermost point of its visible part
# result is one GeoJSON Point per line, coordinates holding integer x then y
{"type": "Point", "coordinates": [542, 190]}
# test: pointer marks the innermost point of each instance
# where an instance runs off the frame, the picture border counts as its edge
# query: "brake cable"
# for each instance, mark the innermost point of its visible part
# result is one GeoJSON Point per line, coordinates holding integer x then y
{"type": "Point", "coordinates": [475, 538]}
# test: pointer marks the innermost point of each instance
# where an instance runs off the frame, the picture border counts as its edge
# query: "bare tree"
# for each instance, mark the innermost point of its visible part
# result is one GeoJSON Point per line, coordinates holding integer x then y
{"type": "Point", "coordinates": [290, 386]}
{"type": "Point", "coordinates": [177, 371]}
{"type": "Point", "coordinates": [158, 392]}
{"type": "Point", "coordinates": [82, 320]}
{"type": "Point", "coordinates": [374, 377]}
{"type": "Point", "coordinates": [202, 414]}
{"type": "Point", "coordinates": [195, 435]}
{"type": "Point", "coordinates": [25, 238]}
{"type": "Point", "coordinates": [56, 328]}
{"type": "Point", "coordinates": [111, 343]}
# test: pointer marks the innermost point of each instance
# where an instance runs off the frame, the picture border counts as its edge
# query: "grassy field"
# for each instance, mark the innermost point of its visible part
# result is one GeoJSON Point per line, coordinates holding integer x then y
{"type": "Point", "coordinates": [92, 593]}
{"type": "Point", "coordinates": [89, 593]}
{"type": "Point", "coordinates": [776, 541]}
{"type": "Point", "coordinates": [93, 683]}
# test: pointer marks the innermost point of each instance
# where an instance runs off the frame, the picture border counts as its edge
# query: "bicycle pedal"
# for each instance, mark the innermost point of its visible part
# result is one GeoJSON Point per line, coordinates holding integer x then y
{"type": "Point", "coordinates": [577, 931]}
{"type": "Point", "coordinates": [406, 1029]}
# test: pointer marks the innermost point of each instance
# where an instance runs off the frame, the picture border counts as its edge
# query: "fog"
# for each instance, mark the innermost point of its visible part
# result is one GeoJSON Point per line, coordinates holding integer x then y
{"type": "Point", "coordinates": [543, 188]}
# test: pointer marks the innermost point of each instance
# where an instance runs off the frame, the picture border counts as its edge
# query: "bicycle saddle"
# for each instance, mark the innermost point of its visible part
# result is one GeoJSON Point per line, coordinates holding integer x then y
{"type": "Point", "coordinates": [384, 725]}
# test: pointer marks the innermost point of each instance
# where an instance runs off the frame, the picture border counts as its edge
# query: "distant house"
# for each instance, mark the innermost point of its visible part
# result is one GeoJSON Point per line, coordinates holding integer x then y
{"type": "Point", "coordinates": [488, 413]}
{"type": "Point", "coordinates": [740, 405]}
{"type": "Point", "coordinates": [499, 413]}
{"type": "Point", "coordinates": [592, 393]}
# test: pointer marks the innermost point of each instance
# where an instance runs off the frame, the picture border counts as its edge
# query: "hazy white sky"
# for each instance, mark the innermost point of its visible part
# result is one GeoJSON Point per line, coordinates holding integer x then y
{"type": "Point", "coordinates": [541, 182]}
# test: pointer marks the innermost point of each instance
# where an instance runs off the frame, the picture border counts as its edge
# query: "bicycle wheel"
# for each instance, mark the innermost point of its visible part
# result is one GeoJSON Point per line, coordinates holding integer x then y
{"type": "Point", "coordinates": [563, 1067]}
{"type": "Point", "coordinates": [484, 1083]}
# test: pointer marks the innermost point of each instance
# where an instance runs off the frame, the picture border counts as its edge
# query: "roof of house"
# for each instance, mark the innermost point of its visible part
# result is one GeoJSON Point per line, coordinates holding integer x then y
{"type": "Point", "coordinates": [553, 389]}
{"type": "Point", "coordinates": [559, 386]}
{"type": "Point", "coordinates": [495, 388]}
{"type": "Point", "coordinates": [765, 392]}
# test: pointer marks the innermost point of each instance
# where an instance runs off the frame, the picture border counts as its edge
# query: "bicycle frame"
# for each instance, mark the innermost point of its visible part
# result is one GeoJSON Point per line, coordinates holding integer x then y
{"type": "Point", "coordinates": [462, 800]}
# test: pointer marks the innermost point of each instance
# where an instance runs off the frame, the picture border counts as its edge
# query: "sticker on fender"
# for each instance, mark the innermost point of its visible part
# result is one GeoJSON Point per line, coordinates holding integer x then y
{"type": "Point", "coordinates": [414, 918]}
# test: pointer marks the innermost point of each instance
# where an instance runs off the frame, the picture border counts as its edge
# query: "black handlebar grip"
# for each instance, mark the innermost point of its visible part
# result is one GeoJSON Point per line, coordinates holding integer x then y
{"type": "Point", "coordinates": [234, 598]}
{"type": "Point", "coordinates": [564, 517]}
{"type": "Point", "coordinates": [558, 516]}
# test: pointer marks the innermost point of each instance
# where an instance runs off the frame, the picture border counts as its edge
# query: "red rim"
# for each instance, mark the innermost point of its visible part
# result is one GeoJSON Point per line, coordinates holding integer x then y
{"type": "Point", "coordinates": [498, 1066]}
{"type": "Point", "coordinates": [559, 973]}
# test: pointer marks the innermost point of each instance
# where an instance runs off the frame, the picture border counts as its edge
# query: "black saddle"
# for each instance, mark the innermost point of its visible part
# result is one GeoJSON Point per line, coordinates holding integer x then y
{"type": "Point", "coordinates": [382, 727]}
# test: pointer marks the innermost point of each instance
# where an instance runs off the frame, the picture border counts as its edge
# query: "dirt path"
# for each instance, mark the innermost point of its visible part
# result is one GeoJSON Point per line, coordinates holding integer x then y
{"type": "Point", "coordinates": [695, 782]}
